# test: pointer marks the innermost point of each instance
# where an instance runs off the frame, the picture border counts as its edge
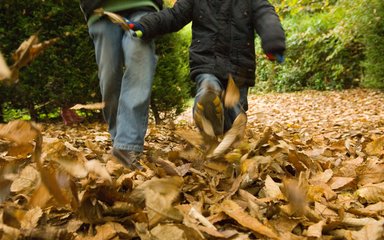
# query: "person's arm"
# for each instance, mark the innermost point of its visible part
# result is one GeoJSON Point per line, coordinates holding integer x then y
{"type": "Point", "coordinates": [268, 27]}
{"type": "Point", "coordinates": [167, 20]}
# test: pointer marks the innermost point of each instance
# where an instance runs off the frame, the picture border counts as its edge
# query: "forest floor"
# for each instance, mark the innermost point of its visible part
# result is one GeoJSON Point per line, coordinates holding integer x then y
{"type": "Point", "coordinates": [311, 166]}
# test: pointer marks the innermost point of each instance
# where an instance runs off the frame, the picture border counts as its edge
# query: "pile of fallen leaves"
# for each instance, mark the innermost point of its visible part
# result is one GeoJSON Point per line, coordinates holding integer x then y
{"type": "Point", "coordinates": [310, 167]}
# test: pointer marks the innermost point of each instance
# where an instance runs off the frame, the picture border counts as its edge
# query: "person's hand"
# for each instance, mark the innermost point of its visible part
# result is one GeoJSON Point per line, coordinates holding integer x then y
{"type": "Point", "coordinates": [278, 57]}
{"type": "Point", "coordinates": [136, 27]}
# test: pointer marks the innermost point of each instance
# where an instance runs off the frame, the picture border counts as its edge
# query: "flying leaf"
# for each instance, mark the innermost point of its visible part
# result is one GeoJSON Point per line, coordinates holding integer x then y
{"type": "Point", "coordinates": [31, 218]}
{"type": "Point", "coordinates": [27, 181]}
{"type": "Point", "coordinates": [26, 53]}
{"type": "Point", "coordinates": [234, 134]}
{"type": "Point", "coordinates": [5, 73]}
{"type": "Point", "coordinates": [91, 106]}
{"type": "Point", "coordinates": [232, 93]}
{"type": "Point", "coordinates": [115, 18]}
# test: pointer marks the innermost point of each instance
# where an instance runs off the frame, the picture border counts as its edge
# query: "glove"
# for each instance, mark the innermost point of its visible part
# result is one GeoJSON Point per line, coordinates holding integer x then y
{"type": "Point", "coordinates": [136, 27]}
{"type": "Point", "coordinates": [278, 57]}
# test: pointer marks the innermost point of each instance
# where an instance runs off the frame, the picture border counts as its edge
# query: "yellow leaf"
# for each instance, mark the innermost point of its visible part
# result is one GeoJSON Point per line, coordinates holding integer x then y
{"type": "Point", "coordinates": [232, 94]}
{"type": "Point", "coordinates": [376, 147]}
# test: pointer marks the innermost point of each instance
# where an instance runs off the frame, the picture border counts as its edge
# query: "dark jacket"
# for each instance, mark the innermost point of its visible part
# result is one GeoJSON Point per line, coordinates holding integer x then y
{"type": "Point", "coordinates": [223, 33]}
{"type": "Point", "coordinates": [87, 6]}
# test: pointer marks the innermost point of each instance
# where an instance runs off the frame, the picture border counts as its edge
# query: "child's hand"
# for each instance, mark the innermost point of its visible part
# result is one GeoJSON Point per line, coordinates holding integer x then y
{"type": "Point", "coordinates": [136, 27]}
{"type": "Point", "coordinates": [278, 57]}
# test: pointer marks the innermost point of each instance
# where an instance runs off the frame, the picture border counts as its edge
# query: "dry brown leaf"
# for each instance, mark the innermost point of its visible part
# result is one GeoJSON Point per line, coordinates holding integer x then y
{"type": "Point", "coordinates": [26, 53]}
{"type": "Point", "coordinates": [97, 168]}
{"type": "Point", "coordinates": [31, 218]}
{"type": "Point", "coordinates": [158, 196]}
{"type": "Point", "coordinates": [19, 131]}
{"type": "Point", "coordinates": [337, 183]}
{"type": "Point", "coordinates": [376, 147]}
{"type": "Point", "coordinates": [315, 230]}
{"type": "Point", "coordinates": [115, 18]}
{"type": "Point", "coordinates": [372, 171]}
{"type": "Point", "coordinates": [371, 231]}
{"type": "Point", "coordinates": [27, 180]}
{"type": "Point", "coordinates": [175, 232]}
{"type": "Point", "coordinates": [91, 106]}
{"type": "Point", "coordinates": [232, 93]}
{"type": "Point", "coordinates": [296, 195]}
{"type": "Point", "coordinates": [8, 233]}
{"type": "Point", "coordinates": [272, 189]}
{"type": "Point", "coordinates": [5, 73]}
{"type": "Point", "coordinates": [321, 177]}
{"type": "Point", "coordinates": [69, 158]}
{"type": "Point", "coordinates": [236, 133]}
{"type": "Point", "coordinates": [233, 210]}
{"type": "Point", "coordinates": [372, 193]}
{"type": "Point", "coordinates": [57, 183]}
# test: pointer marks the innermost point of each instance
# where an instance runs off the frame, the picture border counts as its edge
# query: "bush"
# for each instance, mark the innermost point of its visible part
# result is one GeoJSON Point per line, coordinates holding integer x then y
{"type": "Point", "coordinates": [65, 73]}
{"type": "Point", "coordinates": [373, 38]}
{"type": "Point", "coordinates": [323, 53]}
{"type": "Point", "coordinates": [172, 85]}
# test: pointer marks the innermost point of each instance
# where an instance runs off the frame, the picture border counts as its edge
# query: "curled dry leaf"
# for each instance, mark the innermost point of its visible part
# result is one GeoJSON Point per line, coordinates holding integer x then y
{"type": "Point", "coordinates": [115, 18]}
{"type": "Point", "coordinates": [31, 218]}
{"type": "Point", "coordinates": [372, 193]}
{"type": "Point", "coordinates": [91, 106]}
{"type": "Point", "coordinates": [96, 167]}
{"type": "Point", "coordinates": [232, 93]}
{"type": "Point", "coordinates": [233, 210]}
{"type": "Point", "coordinates": [376, 147]}
{"type": "Point", "coordinates": [27, 180]}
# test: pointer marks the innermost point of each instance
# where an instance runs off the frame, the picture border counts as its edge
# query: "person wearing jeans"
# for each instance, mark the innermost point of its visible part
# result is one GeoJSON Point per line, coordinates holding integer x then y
{"type": "Point", "coordinates": [126, 68]}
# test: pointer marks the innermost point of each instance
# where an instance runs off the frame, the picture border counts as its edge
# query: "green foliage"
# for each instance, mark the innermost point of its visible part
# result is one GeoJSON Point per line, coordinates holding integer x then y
{"type": "Point", "coordinates": [372, 29]}
{"type": "Point", "coordinates": [65, 73]}
{"type": "Point", "coordinates": [323, 52]}
{"type": "Point", "coordinates": [172, 85]}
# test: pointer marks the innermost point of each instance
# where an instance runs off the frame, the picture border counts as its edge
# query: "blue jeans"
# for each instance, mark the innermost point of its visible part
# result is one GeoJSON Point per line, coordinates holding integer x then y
{"type": "Point", "coordinates": [126, 66]}
{"type": "Point", "coordinates": [207, 81]}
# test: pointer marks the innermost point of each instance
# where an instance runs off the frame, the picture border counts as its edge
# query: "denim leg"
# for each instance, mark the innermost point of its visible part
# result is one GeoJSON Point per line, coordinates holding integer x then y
{"type": "Point", "coordinates": [205, 82]}
{"type": "Point", "coordinates": [126, 70]}
{"type": "Point", "coordinates": [132, 114]}
{"type": "Point", "coordinates": [109, 58]}
{"type": "Point", "coordinates": [209, 81]}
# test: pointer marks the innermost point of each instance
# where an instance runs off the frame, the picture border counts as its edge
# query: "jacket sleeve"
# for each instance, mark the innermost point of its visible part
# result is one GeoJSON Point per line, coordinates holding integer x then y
{"type": "Point", "coordinates": [167, 20]}
{"type": "Point", "coordinates": [268, 27]}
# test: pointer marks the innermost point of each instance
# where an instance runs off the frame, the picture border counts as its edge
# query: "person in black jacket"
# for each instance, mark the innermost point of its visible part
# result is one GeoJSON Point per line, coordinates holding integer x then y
{"type": "Point", "coordinates": [126, 67]}
{"type": "Point", "coordinates": [223, 33]}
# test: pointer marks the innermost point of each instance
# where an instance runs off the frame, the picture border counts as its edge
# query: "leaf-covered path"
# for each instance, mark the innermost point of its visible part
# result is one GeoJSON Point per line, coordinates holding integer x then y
{"type": "Point", "coordinates": [311, 166]}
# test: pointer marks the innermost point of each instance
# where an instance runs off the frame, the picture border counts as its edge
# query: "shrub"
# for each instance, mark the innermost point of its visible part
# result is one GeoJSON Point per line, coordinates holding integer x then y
{"type": "Point", "coordinates": [172, 85]}
{"type": "Point", "coordinates": [64, 73]}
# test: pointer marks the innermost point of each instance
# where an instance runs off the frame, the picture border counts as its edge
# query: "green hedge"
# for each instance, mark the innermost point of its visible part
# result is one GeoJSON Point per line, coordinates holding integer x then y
{"type": "Point", "coordinates": [66, 72]}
